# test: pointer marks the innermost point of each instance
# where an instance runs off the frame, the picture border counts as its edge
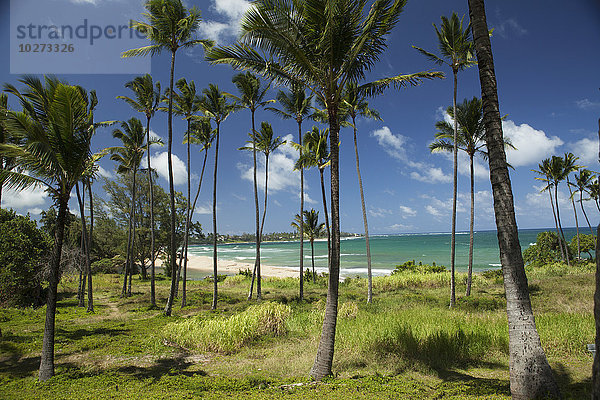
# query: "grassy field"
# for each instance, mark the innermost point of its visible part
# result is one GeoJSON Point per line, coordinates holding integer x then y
{"type": "Point", "coordinates": [407, 344]}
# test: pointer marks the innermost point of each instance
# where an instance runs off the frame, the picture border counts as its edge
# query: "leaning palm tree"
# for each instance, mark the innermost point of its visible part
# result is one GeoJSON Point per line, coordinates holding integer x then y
{"type": "Point", "coordinates": [596, 364]}
{"type": "Point", "coordinates": [568, 168]}
{"type": "Point", "coordinates": [312, 229]}
{"type": "Point", "coordinates": [146, 99]}
{"type": "Point", "coordinates": [187, 105]}
{"type": "Point", "coordinates": [355, 105]}
{"type": "Point", "coordinates": [456, 49]}
{"type": "Point", "coordinates": [252, 96]}
{"type": "Point", "coordinates": [217, 108]}
{"type": "Point", "coordinates": [171, 26]}
{"type": "Point", "coordinates": [530, 374]}
{"type": "Point", "coordinates": [320, 45]}
{"type": "Point", "coordinates": [296, 105]}
{"type": "Point", "coordinates": [557, 175]}
{"type": "Point", "coordinates": [201, 134]}
{"type": "Point", "coordinates": [54, 131]}
{"type": "Point", "coordinates": [129, 157]}
{"type": "Point", "coordinates": [582, 181]}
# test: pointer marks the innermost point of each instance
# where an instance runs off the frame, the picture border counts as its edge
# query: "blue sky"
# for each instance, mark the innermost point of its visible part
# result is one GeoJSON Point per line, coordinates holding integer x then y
{"type": "Point", "coordinates": [546, 60]}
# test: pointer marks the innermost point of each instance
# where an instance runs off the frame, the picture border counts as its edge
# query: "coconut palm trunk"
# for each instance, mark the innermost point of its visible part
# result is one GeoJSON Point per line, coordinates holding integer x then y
{"type": "Point", "coordinates": [47, 357]}
{"type": "Point", "coordinates": [326, 217]}
{"type": "Point", "coordinates": [576, 219]}
{"type": "Point", "coordinates": [173, 242]}
{"type": "Point", "coordinates": [151, 190]}
{"type": "Point", "coordinates": [596, 363]}
{"type": "Point", "coordinates": [530, 374]}
{"type": "Point", "coordinates": [132, 249]}
{"type": "Point", "coordinates": [301, 214]}
{"type": "Point", "coordinates": [561, 237]}
{"type": "Point", "coordinates": [324, 359]}
{"type": "Point", "coordinates": [471, 223]}
{"type": "Point", "coordinates": [86, 244]}
{"type": "Point", "coordinates": [262, 225]}
{"type": "Point", "coordinates": [364, 215]}
{"type": "Point", "coordinates": [257, 213]}
{"type": "Point", "coordinates": [214, 209]}
{"type": "Point", "coordinates": [562, 250]}
{"type": "Point", "coordinates": [584, 213]}
{"type": "Point", "coordinates": [312, 256]}
{"type": "Point", "coordinates": [187, 221]}
{"type": "Point", "coordinates": [127, 269]}
{"type": "Point", "coordinates": [454, 196]}
{"type": "Point", "coordinates": [90, 307]}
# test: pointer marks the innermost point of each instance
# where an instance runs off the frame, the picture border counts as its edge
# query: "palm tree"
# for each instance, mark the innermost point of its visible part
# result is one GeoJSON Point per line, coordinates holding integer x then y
{"type": "Point", "coordinates": [530, 374]}
{"type": "Point", "coordinates": [146, 99]}
{"type": "Point", "coordinates": [5, 163]}
{"type": "Point", "coordinates": [569, 167]}
{"type": "Point", "coordinates": [170, 27]}
{"type": "Point", "coordinates": [54, 131]}
{"type": "Point", "coordinates": [296, 105]}
{"type": "Point", "coordinates": [129, 156]}
{"type": "Point", "coordinates": [355, 105]}
{"type": "Point", "coordinates": [217, 108]}
{"type": "Point", "coordinates": [252, 97]}
{"type": "Point", "coordinates": [315, 153]}
{"type": "Point", "coordinates": [456, 49]}
{"type": "Point", "coordinates": [320, 45]}
{"type": "Point", "coordinates": [187, 105]}
{"type": "Point", "coordinates": [582, 182]}
{"type": "Point", "coordinates": [557, 175]}
{"type": "Point", "coordinates": [312, 229]}
{"type": "Point", "coordinates": [596, 363]}
{"type": "Point", "coordinates": [202, 134]}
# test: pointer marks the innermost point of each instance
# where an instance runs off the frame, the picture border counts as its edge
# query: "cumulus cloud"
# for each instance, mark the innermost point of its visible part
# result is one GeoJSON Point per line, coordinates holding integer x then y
{"type": "Point", "coordinates": [586, 104]}
{"type": "Point", "coordinates": [398, 227]}
{"type": "Point", "coordinates": [24, 200]}
{"type": "Point", "coordinates": [229, 13]}
{"type": "Point", "coordinates": [431, 175]}
{"type": "Point", "coordinates": [532, 145]}
{"type": "Point", "coordinates": [407, 212]}
{"type": "Point", "coordinates": [587, 151]}
{"type": "Point", "coordinates": [508, 27]}
{"type": "Point", "coordinates": [104, 173]}
{"type": "Point", "coordinates": [203, 209]}
{"type": "Point", "coordinates": [160, 162]}
{"type": "Point", "coordinates": [379, 212]}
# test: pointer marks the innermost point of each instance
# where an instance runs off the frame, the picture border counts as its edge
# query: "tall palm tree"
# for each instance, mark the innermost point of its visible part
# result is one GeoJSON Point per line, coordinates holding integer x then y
{"type": "Point", "coordinates": [545, 172]}
{"type": "Point", "coordinates": [296, 105]}
{"type": "Point", "coordinates": [217, 107]}
{"type": "Point", "coordinates": [557, 175]}
{"type": "Point", "coordinates": [355, 105]}
{"type": "Point", "coordinates": [582, 181]}
{"type": "Point", "coordinates": [264, 141]}
{"type": "Point", "coordinates": [201, 134]}
{"type": "Point", "coordinates": [171, 26]}
{"type": "Point", "coordinates": [146, 98]}
{"type": "Point", "coordinates": [596, 363]}
{"type": "Point", "coordinates": [187, 105]}
{"type": "Point", "coordinates": [530, 374]}
{"type": "Point", "coordinates": [54, 131]}
{"type": "Point", "coordinates": [456, 49]}
{"type": "Point", "coordinates": [321, 45]}
{"type": "Point", "coordinates": [312, 229]}
{"type": "Point", "coordinates": [315, 153]}
{"type": "Point", "coordinates": [568, 168]}
{"type": "Point", "coordinates": [5, 163]}
{"type": "Point", "coordinates": [129, 157]}
{"type": "Point", "coordinates": [252, 96]}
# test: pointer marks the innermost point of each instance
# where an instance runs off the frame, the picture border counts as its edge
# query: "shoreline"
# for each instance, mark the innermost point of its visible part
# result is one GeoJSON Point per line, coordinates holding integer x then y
{"type": "Point", "coordinates": [204, 264]}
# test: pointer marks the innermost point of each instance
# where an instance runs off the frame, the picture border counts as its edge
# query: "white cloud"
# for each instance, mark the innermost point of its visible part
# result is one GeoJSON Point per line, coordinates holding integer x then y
{"type": "Point", "coordinates": [104, 173]}
{"type": "Point", "coordinates": [230, 13]}
{"type": "Point", "coordinates": [431, 175]}
{"type": "Point", "coordinates": [203, 209]}
{"type": "Point", "coordinates": [509, 26]}
{"type": "Point", "coordinates": [586, 104]}
{"type": "Point", "coordinates": [156, 137]}
{"type": "Point", "coordinates": [25, 199]}
{"type": "Point", "coordinates": [433, 211]}
{"type": "Point", "coordinates": [398, 227]}
{"type": "Point", "coordinates": [587, 151]}
{"type": "Point", "coordinates": [160, 161]}
{"type": "Point", "coordinates": [35, 211]}
{"type": "Point", "coordinates": [239, 197]}
{"type": "Point", "coordinates": [379, 212]}
{"type": "Point", "coordinates": [532, 145]}
{"type": "Point", "coordinates": [307, 198]}
{"type": "Point", "coordinates": [407, 212]}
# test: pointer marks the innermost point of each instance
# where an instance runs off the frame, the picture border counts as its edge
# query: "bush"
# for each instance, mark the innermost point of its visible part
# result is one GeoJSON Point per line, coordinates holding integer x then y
{"type": "Point", "coordinates": [410, 266]}
{"type": "Point", "coordinates": [109, 265]}
{"type": "Point", "coordinates": [544, 251]}
{"type": "Point", "coordinates": [226, 335]}
{"type": "Point", "coordinates": [22, 250]}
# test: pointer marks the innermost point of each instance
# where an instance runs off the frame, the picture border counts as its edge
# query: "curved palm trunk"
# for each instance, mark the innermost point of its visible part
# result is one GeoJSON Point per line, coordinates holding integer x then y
{"type": "Point", "coordinates": [151, 190]}
{"type": "Point", "coordinates": [301, 216]}
{"type": "Point", "coordinates": [576, 220]}
{"type": "Point", "coordinates": [262, 225]}
{"type": "Point", "coordinates": [81, 286]}
{"type": "Point", "coordinates": [560, 245]}
{"type": "Point", "coordinates": [584, 213]}
{"type": "Point", "coordinates": [454, 198]}
{"type": "Point", "coordinates": [530, 374]}
{"type": "Point", "coordinates": [84, 235]}
{"type": "Point", "coordinates": [214, 207]}
{"type": "Point", "coordinates": [326, 219]}
{"type": "Point", "coordinates": [561, 238]}
{"type": "Point", "coordinates": [127, 269]}
{"type": "Point", "coordinates": [132, 258]}
{"type": "Point", "coordinates": [312, 256]}
{"type": "Point", "coordinates": [200, 183]}
{"type": "Point", "coordinates": [324, 359]}
{"type": "Point", "coordinates": [596, 364]}
{"type": "Point", "coordinates": [257, 212]}
{"type": "Point", "coordinates": [187, 223]}
{"type": "Point", "coordinates": [90, 307]}
{"type": "Point", "coordinates": [364, 215]}
{"type": "Point", "coordinates": [47, 358]}
{"type": "Point", "coordinates": [470, 267]}
{"type": "Point", "coordinates": [173, 249]}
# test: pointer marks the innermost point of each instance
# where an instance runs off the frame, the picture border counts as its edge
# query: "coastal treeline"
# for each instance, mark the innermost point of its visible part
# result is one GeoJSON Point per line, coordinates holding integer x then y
{"type": "Point", "coordinates": [321, 52]}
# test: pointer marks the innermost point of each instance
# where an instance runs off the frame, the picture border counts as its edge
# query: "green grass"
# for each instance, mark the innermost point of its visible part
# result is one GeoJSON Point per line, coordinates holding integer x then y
{"type": "Point", "coordinates": [407, 344]}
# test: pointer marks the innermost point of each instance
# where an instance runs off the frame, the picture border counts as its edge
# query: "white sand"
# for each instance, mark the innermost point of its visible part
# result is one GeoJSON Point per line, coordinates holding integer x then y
{"type": "Point", "coordinates": [205, 264]}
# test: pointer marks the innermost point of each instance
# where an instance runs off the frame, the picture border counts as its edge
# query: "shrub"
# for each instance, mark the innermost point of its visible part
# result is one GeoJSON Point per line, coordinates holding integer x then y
{"type": "Point", "coordinates": [22, 249]}
{"type": "Point", "coordinates": [234, 280]}
{"type": "Point", "coordinates": [108, 265]}
{"type": "Point", "coordinates": [226, 335]}
{"type": "Point", "coordinates": [410, 266]}
{"type": "Point", "coordinates": [544, 251]}
{"type": "Point", "coordinates": [348, 310]}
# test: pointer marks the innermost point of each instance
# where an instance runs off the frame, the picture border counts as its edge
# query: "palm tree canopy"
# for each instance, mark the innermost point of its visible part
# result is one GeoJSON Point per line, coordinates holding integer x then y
{"type": "Point", "coordinates": [455, 44]}
{"type": "Point", "coordinates": [355, 104]}
{"type": "Point", "coordinates": [54, 131]}
{"type": "Point", "coordinates": [146, 95]}
{"type": "Point", "coordinates": [201, 133]}
{"type": "Point", "coordinates": [315, 150]}
{"type": "Point", "coordinates": [252, 95]}
{"type": "Point", "coordinates": [312, 228]}
{"type": "Point", "coordinates": [584, 179]}
{"type": "Point", "coordinates": [264, 140]}
{"type": "Point", "coordinates": [169, 26]}
{"type": "Point", "coordinates": [295, 104]}
{"type": "Point", "coordinates": [215, 104]}
{"type": "Point", "coordinates": [187, 102]}
{"type": "Point", "coordinates": [129, 155]}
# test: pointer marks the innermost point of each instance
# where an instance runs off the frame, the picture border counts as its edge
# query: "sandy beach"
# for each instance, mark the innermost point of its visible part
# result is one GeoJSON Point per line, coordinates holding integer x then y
{"type": "Point", "coordinates": [205, 264]}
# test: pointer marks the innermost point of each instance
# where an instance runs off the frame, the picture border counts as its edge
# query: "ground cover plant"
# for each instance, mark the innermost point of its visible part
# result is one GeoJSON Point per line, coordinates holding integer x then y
{"type": "Point", "coordinates": [406, 344]}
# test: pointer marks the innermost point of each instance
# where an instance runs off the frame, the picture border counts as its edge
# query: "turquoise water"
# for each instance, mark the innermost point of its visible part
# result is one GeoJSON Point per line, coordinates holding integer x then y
{"type": "Point", "coordinates": [386, 251]}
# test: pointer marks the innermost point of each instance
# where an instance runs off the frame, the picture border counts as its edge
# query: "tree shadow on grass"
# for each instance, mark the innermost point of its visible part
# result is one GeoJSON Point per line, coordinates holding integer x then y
{"type": "Point", "coordinates": [566, 383]}
{"type": "Point", "coordinates": [175, 365]}
{"type": "Point", "coordinates": [474, 386]}
{"type": "Point", "coordinates": [81, 333]}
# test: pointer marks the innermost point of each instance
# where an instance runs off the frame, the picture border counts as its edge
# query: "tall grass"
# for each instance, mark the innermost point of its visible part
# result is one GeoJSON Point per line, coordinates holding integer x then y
{"type": "Point", "coordinates": [226, 335]}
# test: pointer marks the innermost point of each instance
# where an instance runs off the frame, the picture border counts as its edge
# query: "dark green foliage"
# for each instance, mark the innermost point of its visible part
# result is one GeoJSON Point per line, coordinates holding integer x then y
{"type": "Point", "coordinates": [109, 265]}
{"type": "Point", "coordinates": [544, 251]}
{"type": "Point", "coordinates": [587, 244]}
{"type": "Point", "coordinates": [22, 249]}
{"type": "Point", "coordinates": [410, 266]}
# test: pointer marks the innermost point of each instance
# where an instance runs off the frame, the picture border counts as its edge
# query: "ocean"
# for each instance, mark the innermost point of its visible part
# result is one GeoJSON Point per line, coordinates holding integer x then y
{"type": "Point", "coordinates": [387, 251]}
